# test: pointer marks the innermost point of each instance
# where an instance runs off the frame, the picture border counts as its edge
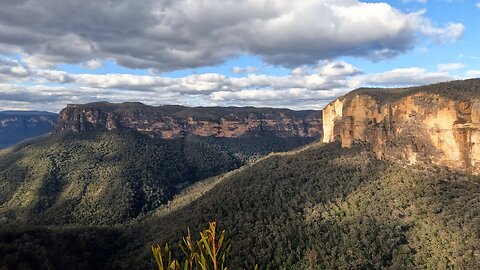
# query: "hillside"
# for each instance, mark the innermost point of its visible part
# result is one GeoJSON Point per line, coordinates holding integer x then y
{"type": "Point", "coordinates": [320, 208]}
{"type": "Point", "coordinates": [99, 178]}
{"type": "Point", "coordinates": [109, 177]}
{"type": "Point", "coordinates": [394, 185]}
{"type": "Point", "coordinates": [16, 126]}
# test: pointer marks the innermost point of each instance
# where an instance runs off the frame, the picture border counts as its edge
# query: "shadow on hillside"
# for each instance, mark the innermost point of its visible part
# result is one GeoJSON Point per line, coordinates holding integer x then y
{"type": "Point", "coordinates": [372, 211]}
{"type": "Point", "coordinates": [333, 207]}
{"type": "Point", "coordinates": [267, 198]}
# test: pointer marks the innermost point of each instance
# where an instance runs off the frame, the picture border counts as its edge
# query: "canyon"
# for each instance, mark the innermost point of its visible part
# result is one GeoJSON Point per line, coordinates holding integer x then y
{"type": "Point", "coordinates": [172, 121]}
{"type": "Point", "coordinates": [16, 126]}
{"type": "Point", "coordinates": [437, 124]}
{"type": "Point", "coordinates": [434, 124]}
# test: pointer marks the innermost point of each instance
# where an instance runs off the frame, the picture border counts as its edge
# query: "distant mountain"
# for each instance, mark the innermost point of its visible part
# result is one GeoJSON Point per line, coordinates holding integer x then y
{"type": "Point", "coordinates": [16, 126]}
{"type": "Point", "coordinates": [178, 121]}
{"type": "Point", "coordinates": [107, 177]}
{"type": "Point", "coordinates": [394, 185]}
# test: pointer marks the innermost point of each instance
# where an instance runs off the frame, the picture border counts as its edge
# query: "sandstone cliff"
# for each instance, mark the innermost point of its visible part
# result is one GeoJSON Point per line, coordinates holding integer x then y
{"type": "Point", "coordinates": [178, 121]}
{"type": "Point", "coordinates": [436, 124]}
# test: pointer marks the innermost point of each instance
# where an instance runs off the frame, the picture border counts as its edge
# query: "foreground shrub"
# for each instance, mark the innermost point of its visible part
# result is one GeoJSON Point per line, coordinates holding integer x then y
{"type": "Point", "coordinates": [210, 252]}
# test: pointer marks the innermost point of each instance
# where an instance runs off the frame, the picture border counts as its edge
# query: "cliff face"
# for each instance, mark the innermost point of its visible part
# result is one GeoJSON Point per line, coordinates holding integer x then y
{"type": "Point", "coordinates": [178, 121]}
{"type": "Point", "coordinates": [434, 124]}
{"type": "Point", "coordinates": [16, 126]}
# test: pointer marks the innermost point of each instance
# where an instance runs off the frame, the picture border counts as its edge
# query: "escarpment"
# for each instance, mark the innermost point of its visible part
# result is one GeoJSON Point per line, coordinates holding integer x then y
{"type": "Point", "coordinates": [16, 126]}
{"type": "Point", "coordinates": [436, 124]}
{"type": "Point", "coordinates": [178, 121]}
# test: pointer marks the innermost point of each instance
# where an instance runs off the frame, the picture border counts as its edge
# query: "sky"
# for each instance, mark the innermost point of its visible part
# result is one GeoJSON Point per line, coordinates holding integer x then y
{"type": "Point", "coordinates": [264, 53]}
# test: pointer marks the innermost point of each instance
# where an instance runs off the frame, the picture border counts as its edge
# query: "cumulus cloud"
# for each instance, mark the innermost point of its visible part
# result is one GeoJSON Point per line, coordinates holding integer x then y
{"type": "Point", "coordinates": [93, 64]}
{"type": "Point", "coordinates": [54, 98]}
{"type": "Point", "coordinates": [304, 88]}
{"type": "Point", "coordinates": [401, 77]}
{"type": "Point", "coordinates": [37, 94]}
{"type": "Point", "coordinates": [12, 70]}
{"type": "Point", "coordinates": [308, 90]}
{"type": "Point", "coordinates": [170, 35]}
{"type": "Point", "coordinates": [337, 69]}
{"type": "Point", "coordinates": [450, 67]}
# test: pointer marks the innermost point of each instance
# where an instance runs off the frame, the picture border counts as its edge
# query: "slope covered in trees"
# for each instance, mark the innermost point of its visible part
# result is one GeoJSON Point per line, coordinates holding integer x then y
{"type": "Point", "coordinates": [322, 207]}
{"type": "Point", "coordinates": [331, 208]}
{"type": "Point", "coordinates": [105, 178]}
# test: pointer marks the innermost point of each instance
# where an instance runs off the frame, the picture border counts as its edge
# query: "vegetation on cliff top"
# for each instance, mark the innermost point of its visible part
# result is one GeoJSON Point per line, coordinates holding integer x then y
{"type": "Point", "coordinates": [457, 90]}
{"type": "Point", "coordinates": [198, 113]}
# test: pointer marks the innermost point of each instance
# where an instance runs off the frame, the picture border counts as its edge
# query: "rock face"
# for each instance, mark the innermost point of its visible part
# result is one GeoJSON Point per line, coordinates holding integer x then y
{"type": "Point", "coordinates": [16, 126]}
{"type": "Point", "coordinates": [436, 124]}
{"type": "Point", "coordinates": [179, 121]}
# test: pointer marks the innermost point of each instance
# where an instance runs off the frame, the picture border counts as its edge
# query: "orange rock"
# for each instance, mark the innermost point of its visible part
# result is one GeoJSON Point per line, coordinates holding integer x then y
{"type": "Point", "coordinates": [415, 126]}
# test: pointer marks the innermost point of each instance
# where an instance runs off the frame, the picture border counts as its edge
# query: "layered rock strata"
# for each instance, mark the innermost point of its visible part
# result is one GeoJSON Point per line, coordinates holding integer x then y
{"type": "Point", "coordinates": [179, 121]}
{"type": "Point", "coordinates": [436, 124]}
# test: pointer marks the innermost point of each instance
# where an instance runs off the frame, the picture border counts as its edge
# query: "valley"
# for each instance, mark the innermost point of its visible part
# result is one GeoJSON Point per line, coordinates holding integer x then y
{"type": "Point", "coordinates": [239, 135]}
{"type": "Point", "coordinates": [16, 126]}
{"type": "Point", "coordinates": [109, 183]}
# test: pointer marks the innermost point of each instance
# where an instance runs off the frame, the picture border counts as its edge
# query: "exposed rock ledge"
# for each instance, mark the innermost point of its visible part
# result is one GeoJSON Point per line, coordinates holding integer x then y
{"type": "Point", "coordinates": [432, 124]}
{"type": "Point", "coordinates": [177, 121]}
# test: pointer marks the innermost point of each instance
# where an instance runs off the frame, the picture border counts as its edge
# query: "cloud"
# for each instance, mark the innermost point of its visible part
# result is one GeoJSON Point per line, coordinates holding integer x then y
{"type": "Point", "coordinates": [93, 64]}
{"type": "Point", "coordinates": [473, 73]}
{"type": "Point", "coordinates": [478, 4]}
{"type": "Point", "coordinates": [54, 98]}
{"type": "Point", "coordinates": [451, 33]}
{"type": "Point", "coordinates": [418, 1]}
{"type": "Point", "coordinates": [304, 88]}
{"type": "Point", "coordinates": [401, 77]}
{"type": "Point", "coordinates": [248, 70]}
{"type": "Point", "coordinates": [12, 70]}
{"type": "Point", "coordinates": [337, 69]}
{"type": "Point", "coordinates": [171, 35]}
{"type": "Point", "coordinates": [450, 67]}
{"type": "Point", "coordinates": [296, 95]}
{"type": "Point", "coordinates": [32, 94]}
{"type": "Point", "coordinates": [315, 87]}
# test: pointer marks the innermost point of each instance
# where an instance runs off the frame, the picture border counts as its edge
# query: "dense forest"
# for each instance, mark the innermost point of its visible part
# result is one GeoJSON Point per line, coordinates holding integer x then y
{"type": "Point", "coordinates": [321, 207]}
{"type": "Point", "coordinates": [105, 178]}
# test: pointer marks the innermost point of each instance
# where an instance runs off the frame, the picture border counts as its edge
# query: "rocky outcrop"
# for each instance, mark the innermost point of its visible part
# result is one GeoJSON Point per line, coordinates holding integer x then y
{"type": "Point", "coordinates": [179, 121]}
{"type": "Point", "coordinates": [436, 124]}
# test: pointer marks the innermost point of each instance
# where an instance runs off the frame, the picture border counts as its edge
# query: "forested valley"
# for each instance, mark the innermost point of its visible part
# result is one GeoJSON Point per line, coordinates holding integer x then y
{"type": "Point", "coordinates": [321, 207]}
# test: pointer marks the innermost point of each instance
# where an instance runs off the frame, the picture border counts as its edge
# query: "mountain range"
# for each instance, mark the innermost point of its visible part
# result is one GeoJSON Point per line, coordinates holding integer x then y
{"type": "Point", "coordinates": [16, 126]}
{"type": "Point", "coordinates": [380, 179]}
